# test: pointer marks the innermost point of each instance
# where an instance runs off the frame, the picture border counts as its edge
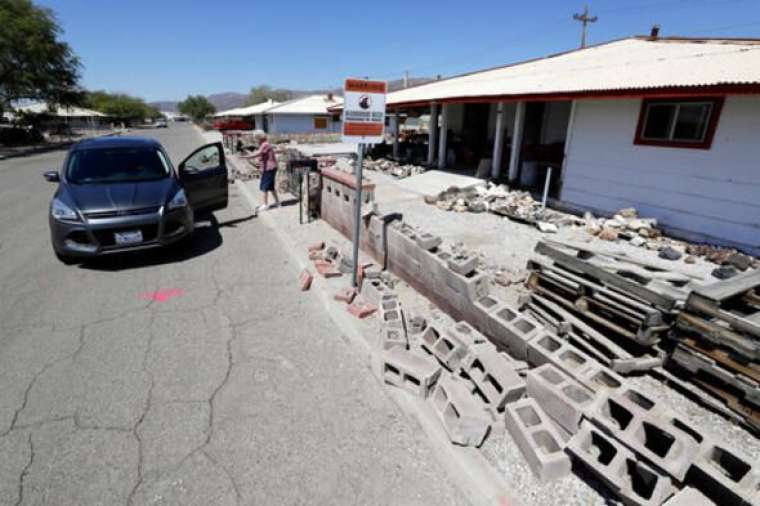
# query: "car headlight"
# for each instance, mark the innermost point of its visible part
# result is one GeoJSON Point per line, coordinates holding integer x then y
{"type": "Point", "coordinates": [61, 211]}
{"type": "Point", "coordinates": [178, 200]}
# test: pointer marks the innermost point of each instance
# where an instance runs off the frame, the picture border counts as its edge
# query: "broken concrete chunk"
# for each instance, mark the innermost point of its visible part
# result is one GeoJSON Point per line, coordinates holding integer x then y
{"type": "Point", "coordinates": [547, 228]}
{"type": "Point", "coordinates": [462, 416]}
{"type": "Point", "coordinates": [669, 253]}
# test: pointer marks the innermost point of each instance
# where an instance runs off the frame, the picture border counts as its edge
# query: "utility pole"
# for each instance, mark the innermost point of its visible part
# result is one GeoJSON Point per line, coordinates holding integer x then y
{"type": "Point", "coordinates": [585, 19]}
{"type": "Point", "coordinates": [406, 79]}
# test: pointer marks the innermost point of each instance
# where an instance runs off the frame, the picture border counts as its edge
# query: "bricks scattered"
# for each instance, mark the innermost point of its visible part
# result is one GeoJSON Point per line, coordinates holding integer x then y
{"type": "Point", "coordinates": [346, 295]}
{"type": "Point", "coordinates": [361, 309]}
{"type": "Point", "coordinates": [305, 279]}
{"type": "Point", "coordinates": [326, 269]}
{"type": "Point", "coordinates": [318, 246]}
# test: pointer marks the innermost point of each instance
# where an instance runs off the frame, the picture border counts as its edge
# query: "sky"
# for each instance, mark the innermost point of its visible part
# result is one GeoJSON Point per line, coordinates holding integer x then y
{"type": "Point", "coordinates": [168, 49]}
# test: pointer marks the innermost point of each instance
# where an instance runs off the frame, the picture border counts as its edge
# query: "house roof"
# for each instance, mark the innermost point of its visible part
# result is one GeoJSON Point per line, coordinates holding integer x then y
{"type": "Point", "coordinates": [248, 111]}
{"type": "Point", "coordinates": [64, 112]}
{"type": "Point", "coordinates": [312, 104]}
{"type": "Point", "coordinates": [628, 66]}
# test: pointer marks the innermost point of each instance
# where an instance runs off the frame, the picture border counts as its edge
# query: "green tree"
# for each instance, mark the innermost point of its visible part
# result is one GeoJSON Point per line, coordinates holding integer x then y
{"type": "Point", "coordinates": [34, 63]}
{"type": "Point", "coordinates": [197, 107]}
{"type": "Point", "coordinates": [259, 94]}
{"type": "Point", "coordinates": [120, 106]}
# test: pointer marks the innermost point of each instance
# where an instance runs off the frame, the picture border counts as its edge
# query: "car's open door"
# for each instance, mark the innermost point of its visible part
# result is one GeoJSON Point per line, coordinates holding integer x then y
{"type": "Point", "coordinates": [204, 176]}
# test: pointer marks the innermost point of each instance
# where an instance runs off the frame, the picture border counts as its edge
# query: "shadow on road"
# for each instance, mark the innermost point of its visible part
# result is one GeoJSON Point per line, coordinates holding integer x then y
{"type": "Point", "coordinates": [206, 238]}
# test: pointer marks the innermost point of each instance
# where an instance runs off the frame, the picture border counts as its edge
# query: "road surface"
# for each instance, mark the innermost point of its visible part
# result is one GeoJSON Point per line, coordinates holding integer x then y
{"type": "Point", "coordinates": [230, 387]}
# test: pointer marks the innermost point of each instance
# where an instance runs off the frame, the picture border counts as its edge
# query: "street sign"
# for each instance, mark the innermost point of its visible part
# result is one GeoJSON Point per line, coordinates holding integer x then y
{"type": "Point", "coordinates": [364, 111]}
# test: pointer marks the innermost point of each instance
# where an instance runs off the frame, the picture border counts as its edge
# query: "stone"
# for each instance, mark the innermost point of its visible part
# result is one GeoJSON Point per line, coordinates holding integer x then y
{"type": "Point", "coordinates": [608, 234]}
{"type": "Point", "coordinates": [669, 253]}
{"type": "Point", "coordinates": [638, 241]}
{"type": "Point", "coordinates": [547, 228]}
{"type": "Point", "coordinates": [628, 212]}
{"type": "Point", "coordinates": [740, 261]}
{"type": "Point", "coordinates": [725, 272]}
{"type": "Point", "coordinates": [690, 259]}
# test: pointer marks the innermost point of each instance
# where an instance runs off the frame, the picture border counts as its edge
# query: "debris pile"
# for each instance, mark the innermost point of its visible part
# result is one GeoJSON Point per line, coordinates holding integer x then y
{"type": "Point", "coordinates": [394, 168]}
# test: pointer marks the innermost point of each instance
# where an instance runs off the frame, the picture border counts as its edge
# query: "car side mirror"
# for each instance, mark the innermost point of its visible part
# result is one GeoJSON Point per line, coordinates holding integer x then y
{"type": "Point", "coordinates": [52, 176]}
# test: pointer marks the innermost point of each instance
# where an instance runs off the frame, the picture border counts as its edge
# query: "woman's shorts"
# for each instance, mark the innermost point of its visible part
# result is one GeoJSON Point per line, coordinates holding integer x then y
{"type": "Point", "coordinates": [267, 180]}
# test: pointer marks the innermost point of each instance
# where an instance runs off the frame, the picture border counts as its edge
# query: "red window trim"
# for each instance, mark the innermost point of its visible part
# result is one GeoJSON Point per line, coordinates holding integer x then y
{"type": "Point", "coordinates": [717, 107]}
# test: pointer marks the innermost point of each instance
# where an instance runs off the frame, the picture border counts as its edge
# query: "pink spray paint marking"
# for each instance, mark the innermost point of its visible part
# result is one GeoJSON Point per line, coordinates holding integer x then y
{"type": "Point", "coordinates": [162, 295]}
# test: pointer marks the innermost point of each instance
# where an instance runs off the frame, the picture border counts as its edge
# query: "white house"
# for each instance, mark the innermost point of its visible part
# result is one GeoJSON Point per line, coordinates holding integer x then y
{"type": "Point", "coordinates": [670, 126]}
{"type": "Point", "coordinates": [254, 114]}
{"type": "Point", "coordinates": [305, 115]}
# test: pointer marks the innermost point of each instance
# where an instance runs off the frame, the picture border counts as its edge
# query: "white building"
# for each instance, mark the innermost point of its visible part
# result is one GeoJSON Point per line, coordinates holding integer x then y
{"type": "Point", "coordinates": [305, 115]}
{"type": "Point", "coordinates": [670, 126]}
{"type": "Point", "coordinates": [253, 114]}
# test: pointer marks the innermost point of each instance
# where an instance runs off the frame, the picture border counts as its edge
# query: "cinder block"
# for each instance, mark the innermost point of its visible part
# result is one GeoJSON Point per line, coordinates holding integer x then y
{"type": "Point", "coordinates": [410, 371]}
{"type": "Point", "coordinates": [463, 290]}
{"type": "Point", "coordinates": [463, 264]}
{"type": "Point", "coordinates": [392, 338]}
{"type": "Point", "coordinates": [548, 348]}
{"type": "Point", "coordinates": [416, 324]}
{"type": "Point", "coordinates": [598, 377]}
{"type": "Point", "coordinates": [462, 416]}
{"type": "Point", "coordinates": [662, 444]}
{"type": "Point", "coordinates": [433, 267]}
{"type": "Point", "coordinates": [689, 496]}
{"type": "Point", "coordinates": [512, 330]}
{"type": "Point", "coordinates": [374, 290]}
{"type": "Point", "coordinates": [428, 241]}
{"type": "Point", "coordinates": [495, 380]}
{"type": "Point", "coordinates": [563, 398]}
{"type": "Point", "coordinates": [537, 439]}
{"type": "Point", "coordinates": [481, 312]}
{"type": "Point", "coordinates": [444, 346]}
{"type": "Point", "coordinates": [391, 314]}
{"type": "Point", "coordinates": [726, 475]}
{"type": "Point", "coordinates": [467, 333]}
{"type": "Point", "coordinates": [633, 481]}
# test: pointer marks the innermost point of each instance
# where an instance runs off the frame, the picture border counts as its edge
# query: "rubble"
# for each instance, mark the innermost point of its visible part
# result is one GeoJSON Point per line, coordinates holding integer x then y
{"type": "Point", "coordinates": [394, 168]}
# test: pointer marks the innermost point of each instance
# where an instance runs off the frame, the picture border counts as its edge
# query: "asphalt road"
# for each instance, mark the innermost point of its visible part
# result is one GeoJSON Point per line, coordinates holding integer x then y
{"type": "Point", "coordinates": [234, 389]}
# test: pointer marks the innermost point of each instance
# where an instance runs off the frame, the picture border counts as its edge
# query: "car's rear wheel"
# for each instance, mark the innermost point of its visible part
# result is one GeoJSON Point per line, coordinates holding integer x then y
{"type": "Point", "coordinates": [65, 259]}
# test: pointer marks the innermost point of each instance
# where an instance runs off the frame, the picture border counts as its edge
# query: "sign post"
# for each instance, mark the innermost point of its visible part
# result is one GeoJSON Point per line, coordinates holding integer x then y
{"type": "Point", "coordinates": [363, 124]}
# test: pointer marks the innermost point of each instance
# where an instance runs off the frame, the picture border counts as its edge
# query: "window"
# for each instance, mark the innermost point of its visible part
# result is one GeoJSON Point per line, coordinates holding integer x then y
{"type": "Point", "coordinates": [678, 123]}
{"type": "Point", "coordinates": [320, 123]}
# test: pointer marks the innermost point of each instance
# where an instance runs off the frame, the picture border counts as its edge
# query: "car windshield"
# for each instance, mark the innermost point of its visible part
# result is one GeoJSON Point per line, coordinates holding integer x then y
{"type": "Point", "coordinates": [116, 165]}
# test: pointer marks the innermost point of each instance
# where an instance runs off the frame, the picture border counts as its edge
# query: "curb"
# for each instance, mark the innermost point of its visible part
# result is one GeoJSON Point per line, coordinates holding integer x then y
{"type": "Point", "coordinates": [467, 467]}
{"type": "Point", "coordinates": [52, 147]}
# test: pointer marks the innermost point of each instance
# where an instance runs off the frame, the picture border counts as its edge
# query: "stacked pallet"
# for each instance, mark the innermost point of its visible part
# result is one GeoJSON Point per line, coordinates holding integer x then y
{"type": "Point", "coordinates": [717, 342]}
{"type": "Point", "coordinates": [614, 307]}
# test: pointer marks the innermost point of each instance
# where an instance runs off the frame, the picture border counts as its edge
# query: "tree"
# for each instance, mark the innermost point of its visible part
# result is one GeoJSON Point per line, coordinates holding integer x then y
{"type": "Point", "coordinates": [259, 94]}
{"type": "Point", "coordinates": [120, 106]}
{"type": "Point", "coordinates": [34, 63]}
{"type": "Point", "coordinates": [197, 107]}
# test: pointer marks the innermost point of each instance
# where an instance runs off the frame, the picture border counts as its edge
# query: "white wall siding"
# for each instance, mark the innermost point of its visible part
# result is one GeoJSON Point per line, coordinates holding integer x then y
{"type": "Point", "coordinates": [711, 195]}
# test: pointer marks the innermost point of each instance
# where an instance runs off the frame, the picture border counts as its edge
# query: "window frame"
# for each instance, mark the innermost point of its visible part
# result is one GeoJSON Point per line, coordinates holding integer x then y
{"type": "Point", "coordinates": [320, 119]}
{"type": "Point", "coordinates": [712, 122]}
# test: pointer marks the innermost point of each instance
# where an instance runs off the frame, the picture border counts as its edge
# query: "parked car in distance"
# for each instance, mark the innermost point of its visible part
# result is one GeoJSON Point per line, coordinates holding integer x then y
{"type": "Point", "coordinates": [161, 123]}
{"type": "Point", "coordinates": [119, 194]}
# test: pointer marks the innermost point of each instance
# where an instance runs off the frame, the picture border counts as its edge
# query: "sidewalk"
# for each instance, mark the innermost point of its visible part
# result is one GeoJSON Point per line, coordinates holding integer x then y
{"type": "Point", "coordinates": [18, 151]}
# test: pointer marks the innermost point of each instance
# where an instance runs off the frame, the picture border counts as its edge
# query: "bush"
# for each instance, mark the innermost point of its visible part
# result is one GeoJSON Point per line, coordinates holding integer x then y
{"type": "Point", "coordinates": [14, 136]}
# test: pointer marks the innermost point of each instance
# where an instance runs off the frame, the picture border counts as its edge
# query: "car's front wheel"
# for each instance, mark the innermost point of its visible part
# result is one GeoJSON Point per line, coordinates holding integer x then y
{"type": "Point", "coordinates": [65, 259]}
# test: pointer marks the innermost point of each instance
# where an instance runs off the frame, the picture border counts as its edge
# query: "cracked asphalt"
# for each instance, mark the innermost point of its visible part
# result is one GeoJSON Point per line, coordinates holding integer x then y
{"type": "Point", "coordinates": [237, 389]}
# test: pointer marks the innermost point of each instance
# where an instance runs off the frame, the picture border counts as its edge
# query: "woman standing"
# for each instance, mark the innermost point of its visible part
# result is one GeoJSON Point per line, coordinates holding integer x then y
{"type": "Point", "coordinates": [268, 161]}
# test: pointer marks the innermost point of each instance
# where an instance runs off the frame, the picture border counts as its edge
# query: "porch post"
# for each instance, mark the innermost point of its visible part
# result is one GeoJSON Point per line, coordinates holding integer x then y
{"type": "Point", "coordinates": [444, 134]}
{"type": "Point", "coordinates": [498, 141]}
{"type": "Point", "coordinates": [395, 120]}
{"type": "Point", "coordinates": [432, 132]}
{"type": "Point", "coordinates": [514, 156]}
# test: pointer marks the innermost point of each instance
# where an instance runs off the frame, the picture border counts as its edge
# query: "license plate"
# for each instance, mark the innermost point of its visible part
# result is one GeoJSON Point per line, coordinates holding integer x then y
{"type": "Point", "coordinates": [129, 237]}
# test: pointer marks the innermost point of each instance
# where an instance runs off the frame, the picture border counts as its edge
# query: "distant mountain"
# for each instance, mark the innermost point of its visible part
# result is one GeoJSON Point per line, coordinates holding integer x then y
{"type": "Point", "coordinates": [231, 99]}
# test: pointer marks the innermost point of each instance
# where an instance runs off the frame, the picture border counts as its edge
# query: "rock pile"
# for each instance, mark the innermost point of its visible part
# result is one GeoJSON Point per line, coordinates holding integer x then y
{"type": "Point", "coordinates": [393, 168]}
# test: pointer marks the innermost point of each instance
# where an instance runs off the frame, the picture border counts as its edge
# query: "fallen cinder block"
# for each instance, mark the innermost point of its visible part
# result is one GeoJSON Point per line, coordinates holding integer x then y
{"type": "Point", "coordinates": [563, 398]}
{"type": "Point", "coordinates": [462, 416]}
{"type": "Point", "coordinates": [392, 338]}
{"type": "Point", "coordinates": [495, 380]}
{"type": "Point", "coordinates": [391, 314]}
{"type": "Point", "coordinates": [537, 439]}
{"type": "Point", "coordinates": [512, 330]}
{"type": "Point", "coordinates": [410, 371]}
{"type": "Point", "coordinates": [662, 444]}
{"type": "Point", "coordinates": [444, 346]}
{"type": "Point", "coordinates": [689, 496]}
{"type": "Point", "coordinates": [633, 481]}
{"type": "Point", "coordinates": [467, 333]}
{"type": "Point", "coordinates": [548, 348]}
{"type": "Point", "coordinates": [374, 291]}
{"type": "Point", "coordinates": [726, 475]}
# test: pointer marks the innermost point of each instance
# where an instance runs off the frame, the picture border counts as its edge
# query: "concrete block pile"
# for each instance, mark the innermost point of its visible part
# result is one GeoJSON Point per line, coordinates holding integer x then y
{"type": "Point", "coordinates": [500, 368]}
{"type": "Point", "coordinates": [395, 169]}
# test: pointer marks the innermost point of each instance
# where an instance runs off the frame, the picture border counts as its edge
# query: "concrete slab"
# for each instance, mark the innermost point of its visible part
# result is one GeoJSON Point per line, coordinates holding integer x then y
{"type": "Point", "coordinates": [434, 182]}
